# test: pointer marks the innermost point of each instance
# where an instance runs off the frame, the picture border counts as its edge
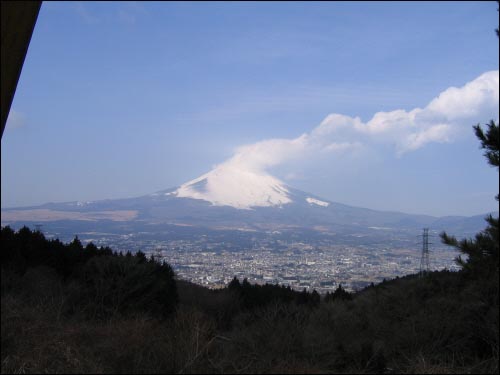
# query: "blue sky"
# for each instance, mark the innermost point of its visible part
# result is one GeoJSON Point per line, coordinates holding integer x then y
{"type": "Point", "coordinates": [120, 99]}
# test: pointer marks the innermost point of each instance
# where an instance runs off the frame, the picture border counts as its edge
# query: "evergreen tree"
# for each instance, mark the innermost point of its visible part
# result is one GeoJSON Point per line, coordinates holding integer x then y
{"type": "Point", "coordinates": [302, 298]}
{"type": "Point", "coordinates": [234, 284]}
{"type": "Point", "coordinates": [141, 256]}
{"type": "Point", "coordinates": [482, 251]}
{"type": "Point", "coordinates": [315, 298]}
{"type": "Point", "coordinates": [339, 294]}
{"type": "Point", "coordinates": [490, 142]}
{"type": "Point", "coordinates": [245, 284]}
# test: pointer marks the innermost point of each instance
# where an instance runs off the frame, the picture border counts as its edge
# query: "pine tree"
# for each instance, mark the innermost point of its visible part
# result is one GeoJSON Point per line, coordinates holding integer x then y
{"type": "Point", "coordinates": [234, 284]}
{"type": "Point", "coordinates": [482, 251]}
{"type": "Point", "coordinates": [302, 298]}
{"type": "Point", "coordinates": [315, 298]}
{"type": "Point", "coordinates": [341, 294]}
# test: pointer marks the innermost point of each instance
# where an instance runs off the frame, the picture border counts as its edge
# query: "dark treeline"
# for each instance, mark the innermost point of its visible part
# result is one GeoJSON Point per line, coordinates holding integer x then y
{"type": "Point", "coordinates": [253, 296]}
{"type": "Point", "coordinates": [126, 282]}
{"type": "Point", "coordinates": [70, 308]}
{"type": "Point", "coordinates": [102, 282]}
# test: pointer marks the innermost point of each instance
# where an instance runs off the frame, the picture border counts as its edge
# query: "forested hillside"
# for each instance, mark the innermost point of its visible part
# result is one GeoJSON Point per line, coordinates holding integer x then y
{"type": "Point", "coordinates": [68, 308]}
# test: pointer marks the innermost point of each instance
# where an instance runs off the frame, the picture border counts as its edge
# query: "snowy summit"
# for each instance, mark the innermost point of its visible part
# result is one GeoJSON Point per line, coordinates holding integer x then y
{"type": "Point", "coordinates": [230, 185]}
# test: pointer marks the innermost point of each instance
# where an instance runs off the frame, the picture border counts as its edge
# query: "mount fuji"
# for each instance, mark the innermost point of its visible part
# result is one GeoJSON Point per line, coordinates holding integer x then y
{"type": "Point", "coordinates": [227, 185]}
{"type": "Point", "coordinates": [229, 197]}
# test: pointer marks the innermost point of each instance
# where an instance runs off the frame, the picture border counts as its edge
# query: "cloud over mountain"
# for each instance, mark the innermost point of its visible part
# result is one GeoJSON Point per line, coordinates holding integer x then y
{"type": "Point", "coordinates": [447, 116]}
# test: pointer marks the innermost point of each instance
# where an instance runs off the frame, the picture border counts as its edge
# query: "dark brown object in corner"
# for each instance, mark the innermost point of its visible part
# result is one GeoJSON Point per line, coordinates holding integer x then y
{"type": "Point", "coordinates": [18, 22]}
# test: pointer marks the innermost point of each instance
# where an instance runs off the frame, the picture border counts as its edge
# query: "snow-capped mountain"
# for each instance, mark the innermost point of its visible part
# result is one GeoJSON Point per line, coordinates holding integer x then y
{"type": "Point", "coordinates": [228, 185]}
{"type": "Point", "coordinates": [230, 197]}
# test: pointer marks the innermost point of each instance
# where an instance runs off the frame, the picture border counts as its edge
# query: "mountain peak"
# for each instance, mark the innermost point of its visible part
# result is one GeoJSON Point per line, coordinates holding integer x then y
{"type": "Point", "coordinates": [230, 185]}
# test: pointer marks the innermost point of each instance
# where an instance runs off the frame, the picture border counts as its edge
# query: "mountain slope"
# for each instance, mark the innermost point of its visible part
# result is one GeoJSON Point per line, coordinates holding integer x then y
{"type": "Point", "coordinates": [228, 197]}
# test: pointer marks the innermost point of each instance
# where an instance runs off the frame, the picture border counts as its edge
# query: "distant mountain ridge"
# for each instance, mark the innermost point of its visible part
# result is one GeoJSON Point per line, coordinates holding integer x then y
{"type": "Point", "coordinates": [240, 199]}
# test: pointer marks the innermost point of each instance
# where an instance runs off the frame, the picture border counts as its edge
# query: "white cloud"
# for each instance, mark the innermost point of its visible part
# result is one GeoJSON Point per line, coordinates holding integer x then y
{"type": "Point", "coordinates": [343, 147]}
{"type": "Point", "coordinates": [438, 133]}
{"type": "Point", "coordinates": [468, 101]}
{"type": "Point", "coordinates": [269, 153]}
{"type": "Point", "coordinates": [447, 116]}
